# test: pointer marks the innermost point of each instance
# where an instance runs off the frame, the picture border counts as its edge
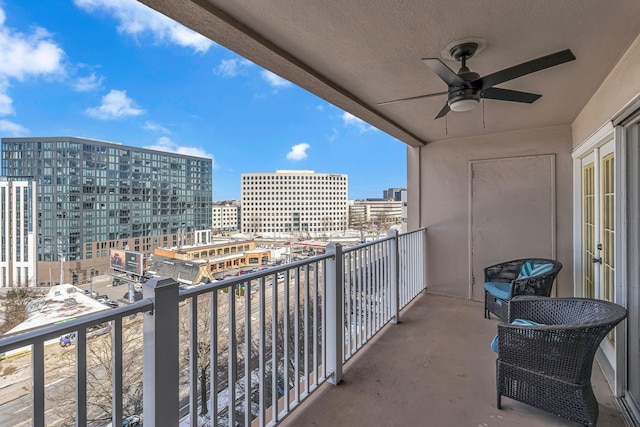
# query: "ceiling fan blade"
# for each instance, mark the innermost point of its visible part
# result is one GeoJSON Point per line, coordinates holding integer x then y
{"type": "Point", "coordinates": [443, 112]}
{"type": "Point", "coordinates": [444, 72]}
{"type": "Point", "coordinates": [509, 95]}
{"type": "Point", "coordinates": [524, 69]}
{"type": "Point", "coordinates": [413, 97]}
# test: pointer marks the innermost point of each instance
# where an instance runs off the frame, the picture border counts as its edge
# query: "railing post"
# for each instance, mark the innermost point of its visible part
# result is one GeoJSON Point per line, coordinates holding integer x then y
{"type": "Point", "coordinates": [395, 276]}
{"type": "Point", "coordinates": [335, 315]}
{"type": "Point", "coordinates": [160, 353]}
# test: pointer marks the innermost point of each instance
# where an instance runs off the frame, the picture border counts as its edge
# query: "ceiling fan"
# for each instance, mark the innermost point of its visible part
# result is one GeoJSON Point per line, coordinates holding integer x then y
{"type": "Point", "coordinates": [466, 87]}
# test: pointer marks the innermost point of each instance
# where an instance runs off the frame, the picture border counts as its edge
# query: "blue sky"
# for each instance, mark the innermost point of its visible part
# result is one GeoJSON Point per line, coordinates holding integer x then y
{"type": "Point", "coordinates": [115, 70]}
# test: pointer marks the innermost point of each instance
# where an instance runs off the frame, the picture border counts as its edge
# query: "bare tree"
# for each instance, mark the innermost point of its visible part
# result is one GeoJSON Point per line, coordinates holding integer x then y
{"type": "Point", "coordinates": [16, 307]}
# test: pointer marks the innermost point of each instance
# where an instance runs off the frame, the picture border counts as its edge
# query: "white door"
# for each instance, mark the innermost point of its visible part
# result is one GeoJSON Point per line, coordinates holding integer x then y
{"type": "Point", "coordinates": [598, 228]}
{"type": "Point", "coordinates": [512, 213]}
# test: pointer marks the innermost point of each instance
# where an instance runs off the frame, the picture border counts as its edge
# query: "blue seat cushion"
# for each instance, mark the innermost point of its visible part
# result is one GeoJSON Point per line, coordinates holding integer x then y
{"type": "Point", "coordinates": [500, 290]}
{"type": "Point", "coordinates": [494, 343]}
{"type": "Point", "coordinates": [530, 269]}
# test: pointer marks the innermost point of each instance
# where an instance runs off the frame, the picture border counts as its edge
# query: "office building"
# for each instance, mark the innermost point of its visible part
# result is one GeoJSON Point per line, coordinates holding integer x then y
{"type": "Point", "coordinates": [224, 216]}
{"type": "Point", "coordinates": [93, 196]}
{"type": "Point", "coordinates": [393, 194]}
{"type": "Point", "coordinates": [17, 232]}
{"type": "Point", "coordinates": [295, 201]}
{"type": "Point", "coordinates": [378, 212]}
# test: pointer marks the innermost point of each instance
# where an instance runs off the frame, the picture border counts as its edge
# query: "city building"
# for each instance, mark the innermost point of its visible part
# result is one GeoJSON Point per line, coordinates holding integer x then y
{"type": "Point", "coordinates": [296, 201]}
{"type": "Point", "coordinates": [224, 216]}
{"type": "Point", "coordinates": [375, 212]}
{"type": "Point", "coordinates": [217, 258]}
{"type": "Point", "coordinates": [18, 232]}
{"type": "Point", "coordinates": [393, 194]}
{"type": "Point", "coordinates": [93, 196]}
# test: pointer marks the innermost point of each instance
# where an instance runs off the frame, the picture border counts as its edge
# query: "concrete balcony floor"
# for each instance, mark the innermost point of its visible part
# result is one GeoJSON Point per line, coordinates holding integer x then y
{"type": "Point", "coordinates": [435, 368]}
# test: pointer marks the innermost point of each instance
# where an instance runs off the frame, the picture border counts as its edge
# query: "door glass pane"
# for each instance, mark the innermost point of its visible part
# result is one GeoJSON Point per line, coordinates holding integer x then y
{"type": "Point", "coordinates": [608, 228]}
{"type": "Point", "coordinates": [608, 200]}
{"type": "Point", "coordinates": [588, 230]}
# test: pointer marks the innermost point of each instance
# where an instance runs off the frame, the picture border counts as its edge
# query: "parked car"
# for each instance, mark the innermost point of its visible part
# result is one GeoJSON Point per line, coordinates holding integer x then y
{"type": "Point", "coordinates": [92, 332]}
{"type": "Point", "coordinates": [111, 304]}
{"type": "Point", "coordinates": [132, 421]}
{"type": "Point", "coordinates": [102, 298]}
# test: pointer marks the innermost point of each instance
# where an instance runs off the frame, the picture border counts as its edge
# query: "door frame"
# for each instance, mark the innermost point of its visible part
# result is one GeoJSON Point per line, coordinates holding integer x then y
{"type": "Point", "coordinates": [612, 361]}
{"type": "Point", "coordinates": [553, 213]}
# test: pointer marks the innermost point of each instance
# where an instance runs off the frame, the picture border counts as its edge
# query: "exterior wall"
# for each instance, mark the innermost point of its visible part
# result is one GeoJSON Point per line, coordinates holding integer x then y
{"type": "Point", "coordinates": [618, 89]}
{"type": "Point", "coordinates": [293, 201]}
{"type": "Point", "coordinates": [18, 233]}
{"type": "Point", "coordinates": [438, 183]}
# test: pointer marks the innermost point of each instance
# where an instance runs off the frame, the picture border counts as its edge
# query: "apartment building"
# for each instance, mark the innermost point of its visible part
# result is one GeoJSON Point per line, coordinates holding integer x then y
{"type": "Point", "coordinates": [18, 231]}
{"type": "Point", "coordinates": [93, 196]}
{"type": "Point", "coordinates": [293, 201]}
{"type": "Point", "coordinates": [224, 216]}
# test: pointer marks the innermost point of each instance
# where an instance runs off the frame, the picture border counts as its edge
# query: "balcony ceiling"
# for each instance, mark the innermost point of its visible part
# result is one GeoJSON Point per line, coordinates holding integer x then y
{"type": "Point", "coordinates": [356, 54]}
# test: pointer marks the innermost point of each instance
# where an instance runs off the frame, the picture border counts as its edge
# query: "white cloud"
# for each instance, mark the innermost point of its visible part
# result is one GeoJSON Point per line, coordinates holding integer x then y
{"type": "Point", "coordinates": [23, 56]}
{"type": "Point", "coordinates": [274, 80]}
{"type": "Point", "coordinates": [136, 19]}
{"type": "Point", "coordinates": [115, 105]}
{"type": "Point", "coordinates": [13, 128]}
{"type": "Point", "coordinates": [155, 127]}
{"type": "Point", "coordinates": [89, 83]}
{"type": "Point", "coordinates": [298, 151]}
{"type": "Point", "coordinates": [232, 67]}
{"type": "Point", "coordinates": [165, 144]}
{"type": "Point", "coordinates": [351, 120]}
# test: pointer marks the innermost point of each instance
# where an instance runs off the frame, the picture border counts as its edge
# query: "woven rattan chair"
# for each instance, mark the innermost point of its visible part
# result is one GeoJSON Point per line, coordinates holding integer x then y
{"type": "Point", "coordinates": [549, 366]}
{"type": "Point", "coordinates": [506, 276]}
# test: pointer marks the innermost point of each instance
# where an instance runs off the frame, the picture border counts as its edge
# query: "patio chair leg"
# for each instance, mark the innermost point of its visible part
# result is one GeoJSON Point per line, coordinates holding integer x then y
{"type": "Point", "coordinates": [499, 401]}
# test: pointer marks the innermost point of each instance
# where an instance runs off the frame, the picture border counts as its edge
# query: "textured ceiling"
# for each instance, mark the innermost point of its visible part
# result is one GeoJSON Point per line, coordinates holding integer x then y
{"type": "Point", "coordinates": [356, 54]}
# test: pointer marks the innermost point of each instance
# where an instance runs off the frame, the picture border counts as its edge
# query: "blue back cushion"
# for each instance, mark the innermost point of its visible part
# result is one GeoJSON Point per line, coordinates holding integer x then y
{"type": "Point", "coordinates": [530, 269]}
{"type": "Point", "coordinates": [494, 343]}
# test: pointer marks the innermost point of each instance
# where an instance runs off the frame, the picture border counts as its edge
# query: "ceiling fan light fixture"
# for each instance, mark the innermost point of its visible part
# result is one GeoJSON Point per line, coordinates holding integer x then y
{"type": "Point", "coordinates": [463, 105]}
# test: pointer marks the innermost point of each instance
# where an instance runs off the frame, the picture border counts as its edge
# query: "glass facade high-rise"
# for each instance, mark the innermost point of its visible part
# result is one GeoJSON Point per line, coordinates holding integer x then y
{"type": "Point", "coordinates": [94, 195]}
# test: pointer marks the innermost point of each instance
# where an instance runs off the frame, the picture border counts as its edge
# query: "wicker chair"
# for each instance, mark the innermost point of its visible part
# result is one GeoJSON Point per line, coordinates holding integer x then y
{"type": "Point", "coordinates": [549, 366]}
{"type": "Point", "coordinates": [508, 273]}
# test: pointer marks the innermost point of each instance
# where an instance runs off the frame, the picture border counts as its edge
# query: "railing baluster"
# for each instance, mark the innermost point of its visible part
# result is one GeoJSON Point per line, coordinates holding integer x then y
{"type": "Point", "coordinates": [348, 269]}
{"type": "Point", "coordinates": [316, 336]}
{"type": "Point", "coordinates": [233, 356]}
{"type": "Point", "coordinates": [193, 361]}
{"type": "Point", "coordinates": [274, 349]}
{"type": "Point", "coordinates": [37, 365]}
{"type": "Point", "coordinates": [296, 336]}
{"type": "Point", "coordinates": [81, 377]}
{"type": "Point", "coordinates": [116, 371]}
{"type": "Point", "coordinates": [285, 335]}
{"type": "Point", "coordinates": [262, 347]}
{"type": "Point", "coordinates": [307, 290]}
{"type": "Point", "coordinates": [247, 353]}
{"type": "Point", "coordinates": [213, 354]}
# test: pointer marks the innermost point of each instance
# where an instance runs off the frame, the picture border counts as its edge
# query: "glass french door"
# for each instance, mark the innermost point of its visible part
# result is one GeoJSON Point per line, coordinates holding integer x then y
{"type": "Point", "coordinates": [598, 224]}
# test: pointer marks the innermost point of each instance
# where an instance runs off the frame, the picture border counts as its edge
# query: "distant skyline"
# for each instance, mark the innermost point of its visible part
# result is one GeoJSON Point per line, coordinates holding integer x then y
{"type": "Point", "coordinates": [117, 71]}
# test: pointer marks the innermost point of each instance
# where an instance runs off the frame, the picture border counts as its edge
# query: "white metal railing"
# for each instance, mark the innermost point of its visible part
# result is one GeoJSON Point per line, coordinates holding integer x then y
{"type": "Point", "coordinates": [35, 340]}
{"type": "Point", "coordinates": [251, 348]}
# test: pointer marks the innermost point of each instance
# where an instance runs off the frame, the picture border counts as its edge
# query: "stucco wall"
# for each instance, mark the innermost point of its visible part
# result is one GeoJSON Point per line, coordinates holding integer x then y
{"type": "Point", "coordinates": [438, 182]}
{"type": "Point", "coordinates": [621, 86]}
